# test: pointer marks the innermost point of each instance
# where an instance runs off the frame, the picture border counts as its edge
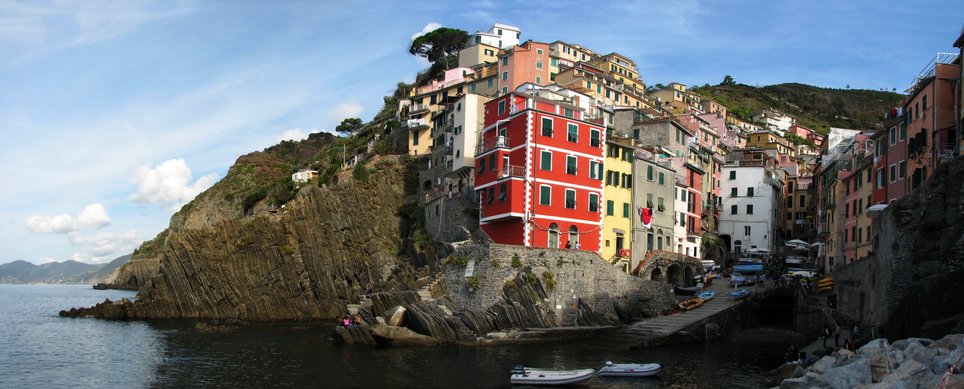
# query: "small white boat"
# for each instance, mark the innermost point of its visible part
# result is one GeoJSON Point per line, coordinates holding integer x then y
{"type": "Point", "coordinates": [630, 369]}
{"type": "Point", "coordinates": [535, 376]}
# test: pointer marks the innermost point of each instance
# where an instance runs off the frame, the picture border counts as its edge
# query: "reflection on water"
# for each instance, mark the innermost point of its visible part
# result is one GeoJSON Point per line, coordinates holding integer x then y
{"type": "Point", "coordinates": [39, 349]}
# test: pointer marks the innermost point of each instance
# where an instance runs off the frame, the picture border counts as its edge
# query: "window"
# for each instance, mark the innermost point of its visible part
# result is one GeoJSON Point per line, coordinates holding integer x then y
{"type": "Point", "coordinates": [481, 166]}
{"type": "Point", "coordinates": [573, 133]}
{"type": "Point", "coordinates": [545, 163]}
{"type": "Point", "coordinates": [649, 173]}
{"type": "Point", "coordinates": [570, 199]}
{"type": "Point", "coordinates": [893, 172]}
{"type": "Point", "coordinates": [501, 107]}
{"type": "Point", "coordinates": [860, 235]}
{"type": "Point", "coordinates": [790, 201]}
{"type": "Point", "coordinates": [649, 200]}
{"type": "Point", "coordinates": [860, 206]}
{"type": "Point", "coordinates": [539, 51]}
{"type": "Point", "coordinates": [789, 216]}
{"type": "Point", "coordinates": [553, 62]}
{"type": "Point", "coordinates": [749, 192]}
{"type": "Point", "coordinates": [502, 191]}
{"type": "Point", "coordinates": [491, 195]}
{"type": "Point", "coordinates": [490, 82]}
{"type": "Point", "coordinates": [662, 178]}
{"type": "Point", "coordinates": [902, 131]}
{"type": "Point", "coordinates": [547, 127]}
{"type": "Point", "coordinates": [746, 230]}
{"type": "Point", "coordinates": [545, 195]}
{"type": "Point", "coordinates": [659, 204]}
{"type": "Point", "coordinates": [627, 181]}
{"type": "Point", "coordinates": [538, 80]}
{"type": "Point", "coordinates": [593, 202]}
{"type": "Point", "coordinates": [567, 112]}
{"type": "Point", "coordinates": [505, 76]}
{"type": "Point", "coordinates": [732, 174]}
{"type": "Point", "coordinates": [924, 101]}
{"type": "Point", "coordinates": [893, 136]}
{"type": "Point", "coordinates": [472, 88]}
{"type": "Point", "coordinates": [571, 164]}
{"type": "Point", "coordinates": [902, 169]}
{"type": "Point", "coordinates": [610, 205]}
{"type": "Point", "coordinates": [749, 209]}
{"type": "Point", "coordinates": [803, 201]}
{"type": "Point", "coordinates": [505, 61]}
{"type": "Point", "coordinates": [733, 210]}
{"type": "Point", "coordinates": [846, 210]}
{"type": "Point", "coordinates": [626, 210]}
{"type": "Point", "coordinates": [538, 64]}
{"type": "Point", "coordinates": [595, 170]}
{"type": "Point", "coordinates": [594, 140]}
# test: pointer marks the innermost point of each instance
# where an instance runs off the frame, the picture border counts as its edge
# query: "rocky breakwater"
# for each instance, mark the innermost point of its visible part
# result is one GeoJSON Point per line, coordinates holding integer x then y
{"type": "Point", "coordinates": [500, 293]}
{"type": "Point", "coordinates": [228, 255]}
{"type": "Point", "coordinates": [907, 363]}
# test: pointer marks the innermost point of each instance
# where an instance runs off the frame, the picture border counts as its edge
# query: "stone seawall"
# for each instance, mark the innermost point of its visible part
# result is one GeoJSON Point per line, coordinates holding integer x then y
{"type": "Point", "coordinates": [575, 287]}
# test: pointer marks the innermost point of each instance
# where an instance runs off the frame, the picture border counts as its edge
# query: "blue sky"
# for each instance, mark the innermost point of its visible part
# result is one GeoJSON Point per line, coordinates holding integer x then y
{"type": "Point", "coordinates": [114, 113]}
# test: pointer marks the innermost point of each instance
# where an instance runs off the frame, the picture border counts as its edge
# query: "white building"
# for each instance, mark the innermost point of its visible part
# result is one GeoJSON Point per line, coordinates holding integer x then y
{"type": "Point", "coordinates": [774, 120]}
{"type": "Point", "coordinates": [837, 135]}
{"type": "Point", "coordinates": [751, 203]}
{"type": "Point", "coordinates": [684, 241]}
{"type": "Point", "coordinates": [502, 36]}
{"type": "Point", "coordinates": [304, 175]}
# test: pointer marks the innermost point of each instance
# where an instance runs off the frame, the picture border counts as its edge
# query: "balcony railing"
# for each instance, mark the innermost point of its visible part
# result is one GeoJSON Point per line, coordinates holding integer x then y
{"type": "Point", "coordinates": [493, 143]}
{"type": "Point", "coordinates": [418, 108]}
{"type": "Point", "coordinates": [512, 171]}
{"type": "Point", "coordinates": [414, 123]}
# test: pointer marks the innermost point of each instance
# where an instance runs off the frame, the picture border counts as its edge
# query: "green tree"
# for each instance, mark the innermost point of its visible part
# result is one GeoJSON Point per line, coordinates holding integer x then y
{"type": "Point", "coordinates": [349, 126]}
{"type": "Point", "coordinates": [728, 80]}
{"type": "Point", "coordinates": [440, 46]}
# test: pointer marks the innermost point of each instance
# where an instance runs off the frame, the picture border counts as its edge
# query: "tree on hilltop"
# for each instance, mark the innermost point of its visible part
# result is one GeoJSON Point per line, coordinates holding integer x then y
{"type": "Point", "coordinates": [349, 126]}
{"type": "Point", "coordinates": [440, 46]}
{"type": "Point", "coordinates": [728, 80]}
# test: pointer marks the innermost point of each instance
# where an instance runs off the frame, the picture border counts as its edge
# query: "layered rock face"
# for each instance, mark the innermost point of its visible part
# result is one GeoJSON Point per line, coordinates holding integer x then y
{"type": "Point", "coordinates": [917, 275]}
{"type": "Point", "coordinates": [307, 261]}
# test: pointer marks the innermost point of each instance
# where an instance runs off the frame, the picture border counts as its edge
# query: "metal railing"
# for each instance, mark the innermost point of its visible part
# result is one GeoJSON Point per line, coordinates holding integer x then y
{"type": "Point", "coordinates": [493, 143]}
{"type": "Point", "coordinates": [512, 171]}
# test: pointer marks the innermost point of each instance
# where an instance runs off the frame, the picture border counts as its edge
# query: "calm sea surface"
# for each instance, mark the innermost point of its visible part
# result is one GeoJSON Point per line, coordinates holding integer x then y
{"type": "Point", "coordinates": [38, 349]}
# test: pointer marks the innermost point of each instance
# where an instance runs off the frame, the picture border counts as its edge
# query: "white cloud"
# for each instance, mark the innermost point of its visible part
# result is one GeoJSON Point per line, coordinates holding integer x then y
{"type": "Point", "coordinates": [295, 134]}
{"type": "Point", "coordinates": [168, 185]}
{"type": "Point", "coordinates": [432, 26]}
{"type": "Point", "coordinates": [344, 111]}
{"type": "Point", "coordinates": [60, 224]}
{"type": "Point", "coordinates": [104, 246]}
{"type": "Point", "coordinates": [94, 216]}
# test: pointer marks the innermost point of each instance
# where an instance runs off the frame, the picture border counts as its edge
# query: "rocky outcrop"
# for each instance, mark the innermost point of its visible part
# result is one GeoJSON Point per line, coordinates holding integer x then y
{"type": "Point", "coordinates": [917, 274]}
{"type": "Point", "coordinates": [308, 261]}
{"type": "Point", "coordinates": [907, 363]}
{"type": "Point", "coordinates": [134, 274]}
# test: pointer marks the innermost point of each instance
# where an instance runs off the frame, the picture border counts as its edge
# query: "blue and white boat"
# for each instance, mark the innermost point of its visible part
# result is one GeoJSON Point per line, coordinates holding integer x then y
{"type": "Point", "coordinates": [630, 369]}
{"type": "Point", "coordinates": [741, 294]}
{"type": "Point", "coordinates": [707, 295]}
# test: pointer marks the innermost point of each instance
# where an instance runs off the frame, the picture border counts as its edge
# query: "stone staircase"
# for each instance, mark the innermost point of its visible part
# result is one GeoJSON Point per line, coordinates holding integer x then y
{"type": "Point", "coordinates": [425, 294]}
{"type": "Point", "coordinates": [365, 303]}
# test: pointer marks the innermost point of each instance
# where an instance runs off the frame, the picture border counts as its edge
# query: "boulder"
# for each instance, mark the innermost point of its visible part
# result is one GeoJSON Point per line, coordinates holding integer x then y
{"type": "Point", "coordinates": [909, 373]}
{"type": "Point", "coordinates": [918, 352]}
{"type": "Point", "coordinates": [821, 366]}
{"type": "Point", "coordinates": [903, 343]}
{"type": "Point", "coordinates": [955, 358]}
{"type": "Point", "coordinates": [950, 342]}
{"type": "Point", "coordinates": [849, 376]}
{"type": "Point", "coordinates": [844, 357]}
{"type": "Point", "coordinates": [808, 381]}
{"type": "Point", "coordinates": [352, 335]}
{"type": "Point", "coordinates": [402, 336]}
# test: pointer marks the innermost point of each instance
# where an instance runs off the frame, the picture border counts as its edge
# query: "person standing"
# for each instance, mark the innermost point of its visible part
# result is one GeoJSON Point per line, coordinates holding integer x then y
{"type": "Point", "coordinates": [826, 335]}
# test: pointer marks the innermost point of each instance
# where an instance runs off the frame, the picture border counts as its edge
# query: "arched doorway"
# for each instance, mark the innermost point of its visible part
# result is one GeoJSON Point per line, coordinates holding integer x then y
{"type": "Point", "coordinates": [738, 246]}
{"type": "Point", "coordinates": [674, 274]}
{"type": "Point", "coordinates": [687, 275]}
{"type": "Point", "coordinates": [574, 237]}
{"type": "Point", "coordinates": [656, 275]}
{"type": "Point", "coordinates": [554, 236]}
{"type": "Point", "coordinates": [427, 185]}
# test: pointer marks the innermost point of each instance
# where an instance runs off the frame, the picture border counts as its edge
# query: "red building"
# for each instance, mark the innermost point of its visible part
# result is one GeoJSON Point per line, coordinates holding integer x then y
{"type": "Point", "coordinates": [930, 113]}
{"type": "Point", "coordinates": [539, 169]}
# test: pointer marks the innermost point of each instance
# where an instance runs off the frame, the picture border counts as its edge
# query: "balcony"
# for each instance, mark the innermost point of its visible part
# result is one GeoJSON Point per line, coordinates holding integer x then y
{"type": "Point", "coordinates": [946, 151]}
{"type": "Point", "coordinates": [414, 124]}
{"type": "Point", "coordinates": [509, 171]}
{"type": "Point", "coordinates": [498, 142]}
{"type": "Point", "coordinates": [417, 109]}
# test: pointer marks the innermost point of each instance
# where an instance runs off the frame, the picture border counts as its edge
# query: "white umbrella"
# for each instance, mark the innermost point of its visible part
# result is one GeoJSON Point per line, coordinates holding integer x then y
{"type": "Point", "coordinates": [797, 243]}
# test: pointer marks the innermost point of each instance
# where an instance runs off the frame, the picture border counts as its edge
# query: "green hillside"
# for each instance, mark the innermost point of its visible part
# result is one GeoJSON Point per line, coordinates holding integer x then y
{"type": "Point", "coordinates": [813, 107]}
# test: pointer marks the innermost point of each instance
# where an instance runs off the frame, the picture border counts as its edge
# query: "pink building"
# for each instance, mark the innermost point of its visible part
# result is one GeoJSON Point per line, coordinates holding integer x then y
{"type": "Point", "coordinates": [525, 63]}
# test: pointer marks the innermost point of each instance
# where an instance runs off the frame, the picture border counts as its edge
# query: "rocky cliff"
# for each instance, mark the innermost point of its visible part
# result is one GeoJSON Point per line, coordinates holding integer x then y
{"type": "Point", "coordinates": [915, 284]}
{"type": "Point", "coordinates": [306, 260]}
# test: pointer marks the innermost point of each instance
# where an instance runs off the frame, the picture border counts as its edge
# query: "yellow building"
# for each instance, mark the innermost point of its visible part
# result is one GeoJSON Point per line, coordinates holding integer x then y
{"type": "Point", "coordinates": [477, 55]}
{"type": "Point", "coordinates": [594, 82]}
{"type": "Point", "coordinates": [564, 55]}
{"type": "Point", "coordinates": [621, 68]}
{"type": "Point", "coordinates": [769, 140]}
{"type": "Point", "coordinates": [618, 208]}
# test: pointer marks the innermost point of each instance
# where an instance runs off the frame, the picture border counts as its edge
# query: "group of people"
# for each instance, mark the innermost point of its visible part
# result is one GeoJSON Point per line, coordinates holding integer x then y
{"type": "Point", "coordinates": [348, 322]}
{"type": "Point", "coordinates": [569, 245]}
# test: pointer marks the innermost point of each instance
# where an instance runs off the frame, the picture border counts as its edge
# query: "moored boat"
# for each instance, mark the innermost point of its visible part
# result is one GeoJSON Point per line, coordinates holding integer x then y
{"type": "Point", "coordinates": [691, 304]}
{"type": "Point", "coordinates": [630, 369]}
{"type": "Point", "coordinates": [740, 294]}
{"type": "Point", "coordinates": [534, 376]}
{"type": "Point", "coordinates": [687, 291]}
{"type": "Point", "coordinates": [707, 295]}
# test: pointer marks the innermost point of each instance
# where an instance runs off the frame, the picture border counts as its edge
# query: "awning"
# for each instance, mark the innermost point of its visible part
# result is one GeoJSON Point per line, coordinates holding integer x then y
{"type": "Point", "coordinates": [876, 209]}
